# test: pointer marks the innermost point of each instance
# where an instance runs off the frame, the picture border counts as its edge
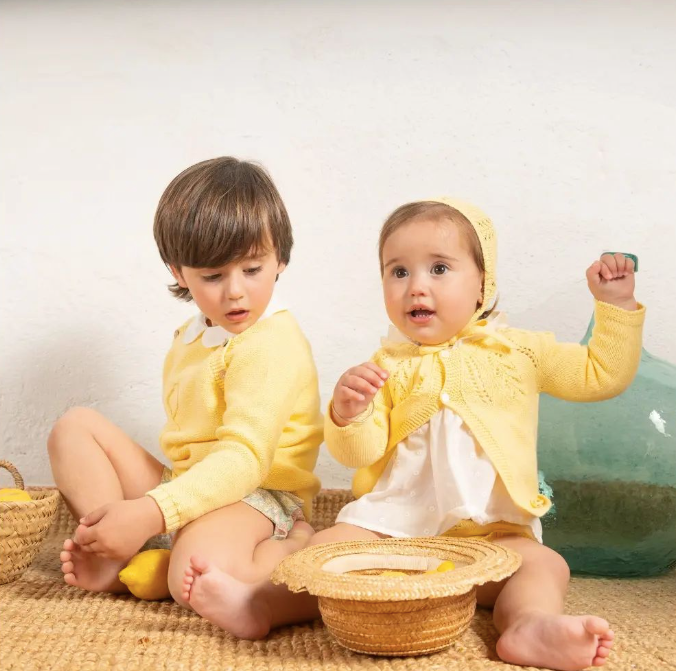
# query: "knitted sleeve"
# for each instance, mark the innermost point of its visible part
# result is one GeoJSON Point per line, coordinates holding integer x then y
{"type": "Point", "coordinates": [365, 440]}
{"type": "Point", "coordinates": [261, 384]}
{"type": "Point", "coordinates": [600, 370]}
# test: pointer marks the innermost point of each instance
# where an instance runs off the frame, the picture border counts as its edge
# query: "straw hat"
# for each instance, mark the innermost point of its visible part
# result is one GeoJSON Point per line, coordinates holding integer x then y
{"type": "Point", "coordinates": [396, 615]}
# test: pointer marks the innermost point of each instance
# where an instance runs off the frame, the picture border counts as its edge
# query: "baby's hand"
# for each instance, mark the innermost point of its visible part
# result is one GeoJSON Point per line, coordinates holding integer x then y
{"type": "Point", "coordinates": [117, 530]}
{"type": "Point", "coordinates": [611, 280]}
{"type": "Point", "coordinates": [354, 391]}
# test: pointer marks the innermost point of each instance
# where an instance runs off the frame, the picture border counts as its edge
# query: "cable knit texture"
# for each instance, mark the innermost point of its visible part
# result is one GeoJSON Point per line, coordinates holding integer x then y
{"type": "Point", "coordinates": [491, 378]}
{"type": "Point", "coordinates": [239, 416]}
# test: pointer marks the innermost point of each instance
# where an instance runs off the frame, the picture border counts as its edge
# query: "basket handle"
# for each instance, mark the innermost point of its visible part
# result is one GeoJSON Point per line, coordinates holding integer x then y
{"type": "Point", "coordinates": [18, 480]}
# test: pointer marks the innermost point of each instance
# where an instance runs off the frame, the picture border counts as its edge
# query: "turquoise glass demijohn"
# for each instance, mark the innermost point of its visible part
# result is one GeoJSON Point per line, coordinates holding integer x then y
{"type": "Point", "coordinates": [611, 466]}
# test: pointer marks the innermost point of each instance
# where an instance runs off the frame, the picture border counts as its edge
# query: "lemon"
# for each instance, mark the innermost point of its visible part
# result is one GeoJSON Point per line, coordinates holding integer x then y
{"type": "Point", "coordinates": [146, 575]}
{"type": "Point", "coordinates": [445, 566]}
{"type": "Point", "coordinates": [14, 495]}
{"type": "Point", "coordinates": [442, 568]}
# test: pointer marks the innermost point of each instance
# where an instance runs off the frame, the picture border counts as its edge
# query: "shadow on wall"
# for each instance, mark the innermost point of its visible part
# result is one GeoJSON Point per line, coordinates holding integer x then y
{"type": "Point", "coordinates": [570, 308]}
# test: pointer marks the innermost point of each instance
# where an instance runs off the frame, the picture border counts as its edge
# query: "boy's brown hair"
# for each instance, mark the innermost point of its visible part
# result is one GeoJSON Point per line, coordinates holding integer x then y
{"type": "Point", "coordinates": [219, 211]}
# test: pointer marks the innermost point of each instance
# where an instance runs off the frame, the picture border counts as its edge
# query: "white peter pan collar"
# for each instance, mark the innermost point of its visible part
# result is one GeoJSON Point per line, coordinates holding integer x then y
{"type": "Point", "coordinates": [214, 336]}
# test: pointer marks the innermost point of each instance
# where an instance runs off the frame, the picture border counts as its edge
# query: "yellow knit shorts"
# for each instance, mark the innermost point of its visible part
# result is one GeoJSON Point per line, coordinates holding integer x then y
{"type": "Point", "coordinates": [489, 532]}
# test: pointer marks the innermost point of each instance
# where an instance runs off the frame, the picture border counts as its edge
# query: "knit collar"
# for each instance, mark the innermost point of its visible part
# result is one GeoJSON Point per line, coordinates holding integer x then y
{"type": "Point", "coordinates": [487, 330]}
{"type": "Point", "coordinates": [215, 336]}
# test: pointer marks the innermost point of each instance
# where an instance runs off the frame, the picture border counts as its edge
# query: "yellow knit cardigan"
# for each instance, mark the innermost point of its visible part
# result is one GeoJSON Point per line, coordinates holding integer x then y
{"type": "Point", "coordinates": [239, 416]}
{"type": "Point", "coordinates": [491, 378]}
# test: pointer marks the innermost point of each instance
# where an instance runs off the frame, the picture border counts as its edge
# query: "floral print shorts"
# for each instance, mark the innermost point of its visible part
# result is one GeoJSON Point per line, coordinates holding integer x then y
{"type": "Point", "coordinates": [282, 508]}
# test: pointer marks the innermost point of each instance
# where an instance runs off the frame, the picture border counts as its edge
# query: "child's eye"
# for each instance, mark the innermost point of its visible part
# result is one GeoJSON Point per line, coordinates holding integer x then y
{"type": "Point", "coordinates": [399, 272]}
{"type": "Point", "coordinates": [211, 278]}
{"type": "Point", "coordinates": [253, 271]}
{"type": "Point", "coordinates": [439, 268]}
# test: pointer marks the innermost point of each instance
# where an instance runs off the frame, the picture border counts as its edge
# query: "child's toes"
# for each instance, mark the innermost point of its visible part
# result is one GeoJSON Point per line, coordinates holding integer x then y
{"type": "Point", "coordinates": [81, 528]}
{"type": "Point", "coordinates": [67, 567]}
{"type": "Point", "coordinates": [188, 580]}
{"type": "Point", "coordinates": [70, 579]}
{"type": "Point", "coordinates": [69, 545]}
{"type": "Point", "coordinates": [187, 587]}
{"type": "Point", "coordinates": [597, 625]}
{"type": "Point", "coordinates": [604, 647]}
{"type": "Point", "coordinates": [65, 556]}
{"type": "Point", "coordinates": [200, 564]}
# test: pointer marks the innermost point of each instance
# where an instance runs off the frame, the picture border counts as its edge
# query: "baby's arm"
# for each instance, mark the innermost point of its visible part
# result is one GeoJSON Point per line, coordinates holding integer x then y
{"type": "Point", "coordinates": [611, 280]}
{"type": "Point", "coordinates": [356, 429]}
{"type": "Point", "coordinates": [260, 391]}
{"type": "Point", "coordinates": [606, 367]}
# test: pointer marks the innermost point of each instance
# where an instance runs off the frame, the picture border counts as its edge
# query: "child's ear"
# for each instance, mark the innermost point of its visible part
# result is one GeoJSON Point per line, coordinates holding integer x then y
{"type": "Point", "coordinates": [280, 269]}
{"type": "Point", "coordinates": [178, 276]}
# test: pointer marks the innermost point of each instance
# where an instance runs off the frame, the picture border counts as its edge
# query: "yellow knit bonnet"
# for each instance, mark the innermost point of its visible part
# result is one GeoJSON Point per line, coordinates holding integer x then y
{"type": "Point", "coordinates": [486, 232]}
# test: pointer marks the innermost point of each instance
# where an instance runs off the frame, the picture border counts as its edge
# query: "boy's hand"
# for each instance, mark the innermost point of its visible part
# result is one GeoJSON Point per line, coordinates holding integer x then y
{"type": "Point", "coordinates": [354, 391]}
{"type": "Point", "coordinates": [117, 530]}
{"type": "Point", "coordinates": [611, 280]}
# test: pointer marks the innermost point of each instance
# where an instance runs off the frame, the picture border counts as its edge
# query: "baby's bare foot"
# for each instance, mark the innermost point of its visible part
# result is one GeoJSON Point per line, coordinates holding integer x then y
{"type": "Point", "coordinates": [87, 571]}
{"type": "Point", "coordinates": [562, 642]}
{"type": "Point", "coordinates": [227, 602]}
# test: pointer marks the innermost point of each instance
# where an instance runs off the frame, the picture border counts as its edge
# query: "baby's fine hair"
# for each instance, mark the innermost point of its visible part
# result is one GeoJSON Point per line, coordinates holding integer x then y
{"type": "Point", "coordinates": [219, 211]}
{"type": "Point", "coordinates": [435, 211]}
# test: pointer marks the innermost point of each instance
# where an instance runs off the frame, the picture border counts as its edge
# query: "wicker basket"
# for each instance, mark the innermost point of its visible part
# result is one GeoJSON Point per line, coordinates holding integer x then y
{"type": "Point", "coordinates": [23, 526]}
{"type": "Point", "coordinates": [415, 614]}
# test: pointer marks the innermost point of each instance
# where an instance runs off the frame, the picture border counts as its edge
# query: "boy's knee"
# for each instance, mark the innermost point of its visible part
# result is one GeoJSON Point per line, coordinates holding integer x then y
{"type": "Point", "coordinates": [75, 417]}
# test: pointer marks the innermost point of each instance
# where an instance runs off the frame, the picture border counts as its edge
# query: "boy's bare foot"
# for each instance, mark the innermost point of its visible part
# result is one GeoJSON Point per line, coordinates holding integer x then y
{"type": "Point", "coordinates": [562, 642]}
{"type": "Point", "coordinates": [229, 603]}
{"type": "Point", "coordinates": [87, 571]}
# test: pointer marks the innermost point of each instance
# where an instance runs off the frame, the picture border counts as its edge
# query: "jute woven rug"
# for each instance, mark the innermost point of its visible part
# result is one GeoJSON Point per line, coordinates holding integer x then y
{"type": "Point", "coordinates": [47, 625]}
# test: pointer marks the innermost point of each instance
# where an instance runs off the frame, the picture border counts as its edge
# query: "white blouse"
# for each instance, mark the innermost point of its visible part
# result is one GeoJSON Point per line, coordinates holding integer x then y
{"type": "Point", "coordinates": [438, 477]}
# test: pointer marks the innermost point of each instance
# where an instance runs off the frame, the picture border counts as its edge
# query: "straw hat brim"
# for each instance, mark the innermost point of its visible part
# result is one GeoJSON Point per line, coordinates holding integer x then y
{"type": "Point", "coordinates": [477, 562]}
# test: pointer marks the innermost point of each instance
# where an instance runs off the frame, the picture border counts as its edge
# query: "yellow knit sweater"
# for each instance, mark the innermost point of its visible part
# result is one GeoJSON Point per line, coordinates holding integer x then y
{"type": "Point", "coordinates": [239, 416]}
{"type": "Point", "coordinates": [492, 380]}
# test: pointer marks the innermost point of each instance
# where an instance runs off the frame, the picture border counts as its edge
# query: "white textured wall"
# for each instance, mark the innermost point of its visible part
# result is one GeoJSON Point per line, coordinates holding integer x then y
{"type": "Point", "coordinates": [558, 118]}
